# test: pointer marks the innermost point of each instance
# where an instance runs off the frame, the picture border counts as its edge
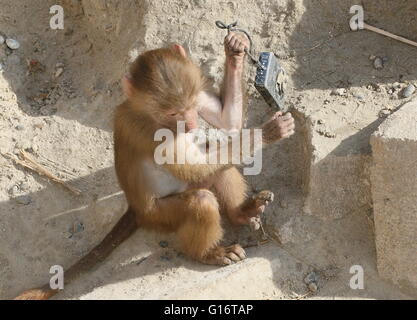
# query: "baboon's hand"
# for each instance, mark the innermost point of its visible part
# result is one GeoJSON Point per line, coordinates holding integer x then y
{"type": "Point", "coordinates": [278, 127]}
{"type": "Point", "coordinates": [235, 45]}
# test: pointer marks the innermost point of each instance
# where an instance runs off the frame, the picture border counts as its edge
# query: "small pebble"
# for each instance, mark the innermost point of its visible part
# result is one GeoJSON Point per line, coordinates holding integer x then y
{"type": "Point", "coordinates": [378, 63]}
{"type": "Point", "coordinates": [1, 40]}
{"type": "Point", "coordinates": [320, 121]}
{"type": "Point", "coordinates": [13, 44]}
{"type": "Point", "coordinates": [59, 65]}
{"type": "Point", "coordinates": [1, 67]}
{"type": "Point", "coordinates": [19, 127]}
{"type": "Point", "coordinates": [329, 135]}
{"type": "Point", "coordinates": [311, 277]}
{"type": "Point", "coordinates": [338, 92]}
{"type": "Point", "coordinates": [25, 200]}
{"type": "Point", "coordinates": [14, 190]}
{"type": "Point", "coordinates": [408, 91]}
{"type": "Point", "coordinates": [396, 85]}
{"type": "Point", "coordinates": [163, 244]}
{"type": "Point", "coordinates": [59, 72]}
{"type": "Point", "coordinates": [384, 113]}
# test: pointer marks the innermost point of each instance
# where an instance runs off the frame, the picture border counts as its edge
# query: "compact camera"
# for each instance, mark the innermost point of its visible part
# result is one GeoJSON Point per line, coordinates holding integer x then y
{"type": "Point", "coordinates": [270, 80]}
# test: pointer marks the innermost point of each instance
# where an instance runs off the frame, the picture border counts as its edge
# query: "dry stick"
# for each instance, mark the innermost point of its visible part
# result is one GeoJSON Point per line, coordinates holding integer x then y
{"type": "Point", "coordinates": [389, 34]}
{"type": "Point", "coordinates": [39, 169]}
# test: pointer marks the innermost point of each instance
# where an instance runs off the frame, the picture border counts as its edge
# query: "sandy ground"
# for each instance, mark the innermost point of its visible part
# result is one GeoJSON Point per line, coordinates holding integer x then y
{"type": "Point", "coordinates": [63, 119]}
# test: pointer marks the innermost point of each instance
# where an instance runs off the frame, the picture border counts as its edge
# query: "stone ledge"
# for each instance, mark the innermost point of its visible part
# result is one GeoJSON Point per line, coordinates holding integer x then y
{"type": "Point", "coordinates": [394, 191]}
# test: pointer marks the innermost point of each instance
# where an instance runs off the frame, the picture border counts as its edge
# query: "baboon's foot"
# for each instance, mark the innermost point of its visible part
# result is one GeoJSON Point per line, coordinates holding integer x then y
{"type": "Point", "coordinates": [223, 256]}
{"type": "Point", "coordinates": [263, 198]}
{"type": "Point", "coordinates": [255, 206]}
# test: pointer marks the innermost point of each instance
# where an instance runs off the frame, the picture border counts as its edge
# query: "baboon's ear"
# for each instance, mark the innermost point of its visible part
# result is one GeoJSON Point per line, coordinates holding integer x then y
{"type": "Point", "coordinates": [127, 86]}
{"type": "Point", "coordinates": [180, 49]}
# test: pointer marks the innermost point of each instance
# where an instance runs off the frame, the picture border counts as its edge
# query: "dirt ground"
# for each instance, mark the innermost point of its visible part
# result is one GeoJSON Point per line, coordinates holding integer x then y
{"type": "Point", "coordinates": [57, 95]}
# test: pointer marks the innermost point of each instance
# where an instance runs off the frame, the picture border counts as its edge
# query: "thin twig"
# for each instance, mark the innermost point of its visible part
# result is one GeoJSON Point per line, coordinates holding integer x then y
{"type": "Point", "coordinates": [302, 296]}
{"type": "Point", "coordinates": [389, 34]}
{"type": "Point", "coordinates": [33, 165]}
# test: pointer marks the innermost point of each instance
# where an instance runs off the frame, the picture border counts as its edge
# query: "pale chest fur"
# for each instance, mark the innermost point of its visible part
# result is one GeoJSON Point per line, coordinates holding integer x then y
{"type": "Point", "coordinates": [160, 181]}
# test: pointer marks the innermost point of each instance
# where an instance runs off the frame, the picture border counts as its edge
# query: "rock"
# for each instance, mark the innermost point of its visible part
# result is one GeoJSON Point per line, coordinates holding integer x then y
{"type": "Point", "coordinates": [320, 121]}
{"type": "Point", "coordinates": [378, 63]}
{"type": "Point", "coordinates": [338, 92]}
{"type": "Point", "coordinates": [384, 113]}
{"type": "Point", "coordinates": [311, 277]}
{"type": "Point", "coordinates": [313, 287]}
{"type": "Point", "coordinates": [396, 85]}
{"type": "Point", "coordinates": [163, 244]}
{"type": "Point", "coordinates": [25, 200]}
{"type": "Point", "coordinates": [408, 91]}
{"type": "Point", "coordinates": [59, 72]}
{"type": "Point", "coordinates": [13, 44]}
{"type": "Point", "coordinates": [394, 189]}
{"type": "Point", "coordinates": [59, 65]}
{"type": "Point", "coordinates": [13, 191]}
{"type": "Point", "coordinates": [328, 134]}
{"type": "Point", "coordinates": [19, 127]}
{"type": "Point", "coordinates": [374, 87]}
{"type": "Point", "coordinates": [1, 40]}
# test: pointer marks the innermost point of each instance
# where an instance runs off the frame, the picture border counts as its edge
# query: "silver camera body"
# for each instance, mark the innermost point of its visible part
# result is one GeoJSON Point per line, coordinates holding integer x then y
{"type": "Point", "coordinates": [270, 80]}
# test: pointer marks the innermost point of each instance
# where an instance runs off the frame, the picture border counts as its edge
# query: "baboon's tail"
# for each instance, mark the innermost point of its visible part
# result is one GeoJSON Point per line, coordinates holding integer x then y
{"type": "Point", "coordinates": [121, 231]}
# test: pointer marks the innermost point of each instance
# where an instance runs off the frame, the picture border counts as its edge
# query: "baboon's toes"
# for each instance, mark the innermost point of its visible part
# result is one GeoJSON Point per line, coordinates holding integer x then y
{"type": "Point", "coordinates": [225, 256]}
{"type": "Point", "coordinates": [235, 252]}
{"type": "Point", "coordinates": [264, 197]}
